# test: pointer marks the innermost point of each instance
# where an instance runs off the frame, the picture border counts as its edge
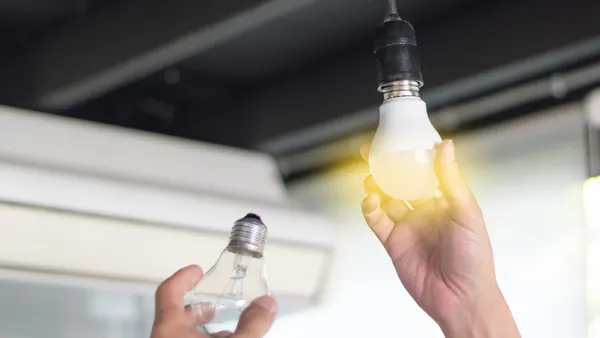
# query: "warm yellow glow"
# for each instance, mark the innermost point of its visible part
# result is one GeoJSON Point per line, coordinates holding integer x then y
{"type": "Point", "coordinates": [405, 175]}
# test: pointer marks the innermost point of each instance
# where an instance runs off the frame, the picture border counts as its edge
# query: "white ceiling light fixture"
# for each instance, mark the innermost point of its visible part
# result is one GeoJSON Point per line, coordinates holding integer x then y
{"type": "Point", "coordinates": [91, 201]}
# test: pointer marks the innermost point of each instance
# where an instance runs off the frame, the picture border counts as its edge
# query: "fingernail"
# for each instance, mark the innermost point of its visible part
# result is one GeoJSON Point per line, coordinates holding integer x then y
{"type": "Point", "coordinates": [205, 313]}
{"type": "Point", "coordinates": [370, 185]}
{"type": "Point", "coordinates": [449, 155]}
{"type": "Point", "coordinates": [267, 303]}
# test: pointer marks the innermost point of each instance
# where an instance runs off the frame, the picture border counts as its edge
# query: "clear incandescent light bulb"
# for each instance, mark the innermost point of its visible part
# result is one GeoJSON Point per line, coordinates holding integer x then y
{"type": "Point", "coordinates": [237, 278]}
{"type": "Point", "coordinates": [403, 150]}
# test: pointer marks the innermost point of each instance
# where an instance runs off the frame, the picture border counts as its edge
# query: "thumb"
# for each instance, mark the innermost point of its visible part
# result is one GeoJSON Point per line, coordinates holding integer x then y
{"type": "Point", "coordinates": [257, 319]}
{"type": "Point", "coordinates": [455, 189]}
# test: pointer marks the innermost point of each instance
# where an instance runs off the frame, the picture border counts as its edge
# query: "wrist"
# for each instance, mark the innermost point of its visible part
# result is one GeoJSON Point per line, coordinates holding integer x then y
{"type": "Point", "coordinates": [485, 316]}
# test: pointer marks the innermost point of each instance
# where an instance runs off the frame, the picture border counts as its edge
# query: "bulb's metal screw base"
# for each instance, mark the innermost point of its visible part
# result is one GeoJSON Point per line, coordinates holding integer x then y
{"type": "Point", "coordinates": [248, 236]}
{"type": "Point", "coordinates": [402, 88]}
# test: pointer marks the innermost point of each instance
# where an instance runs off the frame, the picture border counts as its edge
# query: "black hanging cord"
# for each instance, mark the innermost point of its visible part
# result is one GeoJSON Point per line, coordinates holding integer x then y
{"type": "Point", "coordinates": [392, 7]}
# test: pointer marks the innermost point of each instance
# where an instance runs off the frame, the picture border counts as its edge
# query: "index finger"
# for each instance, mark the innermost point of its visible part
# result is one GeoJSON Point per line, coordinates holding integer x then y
{"type": "Point", "coordinates": [169, 295]}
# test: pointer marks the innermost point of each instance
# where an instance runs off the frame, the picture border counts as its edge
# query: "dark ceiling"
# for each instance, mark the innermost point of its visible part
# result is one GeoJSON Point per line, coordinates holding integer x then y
{"type": "Point", "coordinates": [282, 48]}
{"type": "Point", "coordinates": [259, 73]}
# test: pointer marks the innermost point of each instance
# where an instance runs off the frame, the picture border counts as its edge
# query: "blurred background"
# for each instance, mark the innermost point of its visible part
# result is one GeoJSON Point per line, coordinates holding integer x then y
{"type": "Point", "coordinates": [133, 133]}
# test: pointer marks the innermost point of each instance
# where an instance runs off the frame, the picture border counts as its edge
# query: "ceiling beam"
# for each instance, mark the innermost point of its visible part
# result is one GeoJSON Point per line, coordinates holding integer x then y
{"type": "Point", "coordinates": [132, 39]}
{"type": "Point", "coordinates": [485, 47]}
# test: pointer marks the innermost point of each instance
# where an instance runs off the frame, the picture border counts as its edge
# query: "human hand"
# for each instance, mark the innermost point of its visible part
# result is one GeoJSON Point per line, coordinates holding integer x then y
{"type": "Point", "coordinates": [442, 253]}
{"type": "Point", "coordinates": [173, 320]}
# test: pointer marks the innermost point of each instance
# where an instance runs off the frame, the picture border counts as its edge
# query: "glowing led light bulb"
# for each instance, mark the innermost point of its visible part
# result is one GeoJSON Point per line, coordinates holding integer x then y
{"type": "Point", "coordinates": [237, 278]}
{"type": "Point", "coordinates": [403, 150]}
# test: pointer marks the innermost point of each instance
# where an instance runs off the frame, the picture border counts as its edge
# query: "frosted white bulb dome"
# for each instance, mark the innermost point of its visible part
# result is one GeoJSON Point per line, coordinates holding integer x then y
{"type": "Point", "coordinates": [403, 150]}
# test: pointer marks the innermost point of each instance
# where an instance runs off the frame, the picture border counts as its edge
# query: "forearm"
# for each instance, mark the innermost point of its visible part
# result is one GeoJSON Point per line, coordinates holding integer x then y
{"type": "Point", "coordinates": [487, 317]}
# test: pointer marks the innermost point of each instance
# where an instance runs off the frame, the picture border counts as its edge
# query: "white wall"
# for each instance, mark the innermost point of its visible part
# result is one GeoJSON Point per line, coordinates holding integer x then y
{"type": "Point", "coordinates": [528, 177]}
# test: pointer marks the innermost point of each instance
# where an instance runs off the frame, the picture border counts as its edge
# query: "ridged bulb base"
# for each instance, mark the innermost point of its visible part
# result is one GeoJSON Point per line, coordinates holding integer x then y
{"type": "Point", "coordinates": [404, 88]}
{"type": "Point", "coordinates": [248, 235]}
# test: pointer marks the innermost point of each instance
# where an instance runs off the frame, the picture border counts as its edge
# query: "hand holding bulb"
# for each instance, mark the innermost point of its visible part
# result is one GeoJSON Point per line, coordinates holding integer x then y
{"type": "Point", "coordinates": [173, 319]}
{"type": "Point", "coordinates": [233, 293]}
{"type": "Point", "coordinates": [234, 280]}
{"type": "Point", "coordinates": [442, 253]}
{"type": "Point", "coordinates": [438, 244]}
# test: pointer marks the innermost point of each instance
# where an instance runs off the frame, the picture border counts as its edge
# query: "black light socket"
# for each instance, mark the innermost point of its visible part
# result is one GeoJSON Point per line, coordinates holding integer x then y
{"type": "Point", "coordinates": [396, 52]}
